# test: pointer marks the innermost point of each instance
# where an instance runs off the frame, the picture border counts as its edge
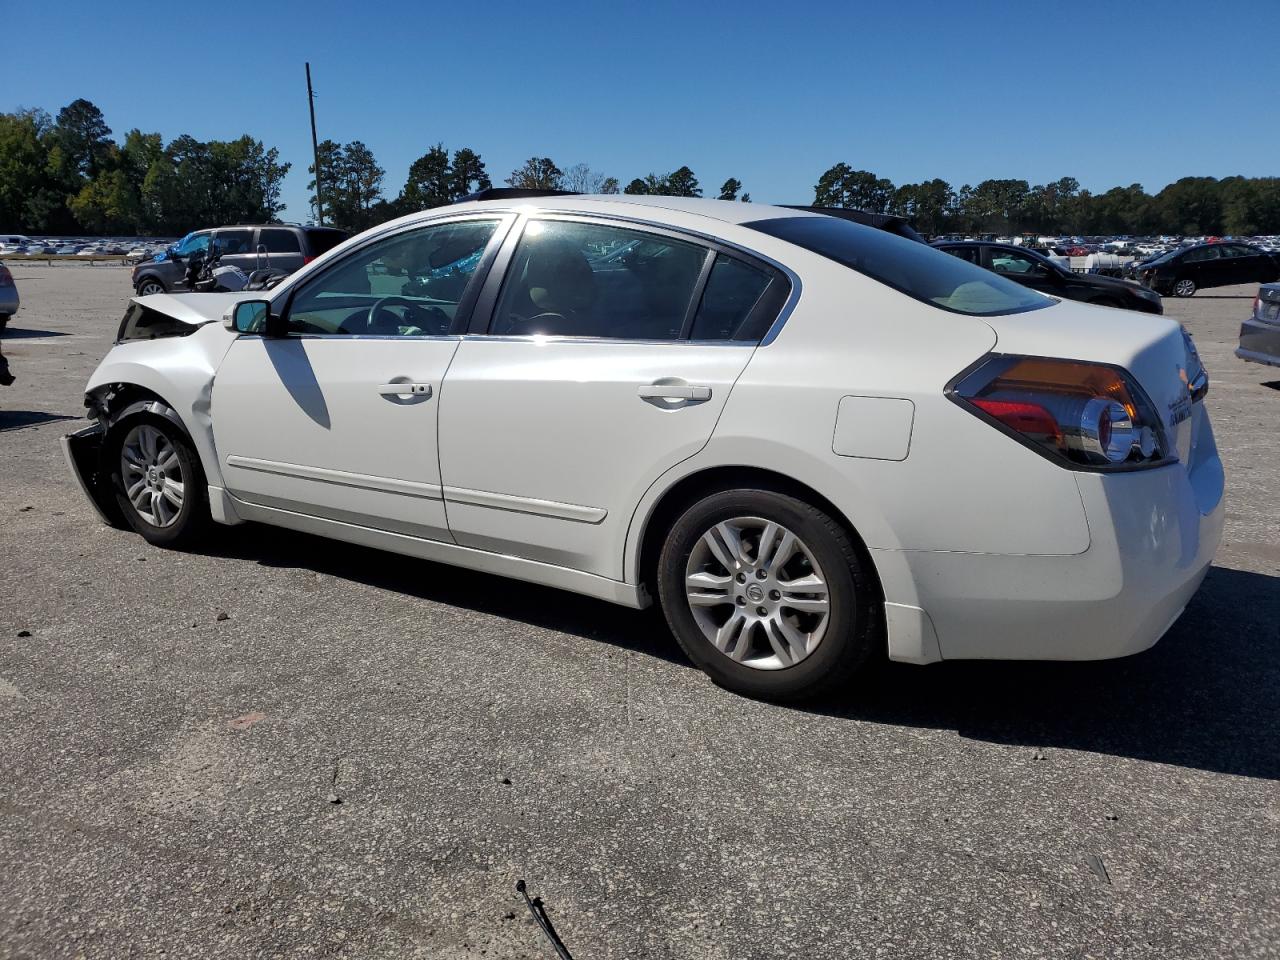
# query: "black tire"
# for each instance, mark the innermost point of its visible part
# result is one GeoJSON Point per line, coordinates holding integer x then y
{"type": "Point", "coordinates": [193, 519]}
{"type": "Point", "coordinates": [853, 631]}
{"type": "Point", "coordinates": [4, 320]}
{"type": "Point", "coordinates": [1184, 287]}
{"type": "Point", "coordinates": [149, 285]}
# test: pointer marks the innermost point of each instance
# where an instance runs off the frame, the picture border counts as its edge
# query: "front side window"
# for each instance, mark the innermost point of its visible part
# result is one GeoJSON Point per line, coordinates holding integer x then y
{"type": "Point", "coordinates": [1013, 264]}
{"type": "Point", "coordinates": [406, 285]}
{"type": "Point", "coordinates": [912, 268]}
{"type": "Point", "coordinates": [970, 254]}
{"type": "Point", "coordinates": [1201, 254]}
{"type": "Point", "coordinates": [588, 280]}
{"type": "Point", "coordinates": [193, 243]}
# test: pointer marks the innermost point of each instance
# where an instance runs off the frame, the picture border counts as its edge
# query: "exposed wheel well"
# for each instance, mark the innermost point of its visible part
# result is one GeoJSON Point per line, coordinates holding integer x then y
{"type": "Point", "coordinates": [107, 401]}
{"type": "Point", "coordinates": [696, 486]}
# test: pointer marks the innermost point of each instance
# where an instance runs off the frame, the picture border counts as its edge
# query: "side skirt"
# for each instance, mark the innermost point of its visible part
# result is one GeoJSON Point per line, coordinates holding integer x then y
{"type": "Point", "coordinates": [469, 558]}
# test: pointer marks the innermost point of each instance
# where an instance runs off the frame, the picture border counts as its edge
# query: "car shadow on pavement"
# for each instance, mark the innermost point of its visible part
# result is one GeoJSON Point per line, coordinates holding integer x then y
{"type": "Point", "coordinates": [643, 631]}
{"type": "Point", "coordinates": [24, 333]}
{"type": "Point", "coordinates": [1207, 696]}
{"type": "Point", "coordinates": [18, 419]}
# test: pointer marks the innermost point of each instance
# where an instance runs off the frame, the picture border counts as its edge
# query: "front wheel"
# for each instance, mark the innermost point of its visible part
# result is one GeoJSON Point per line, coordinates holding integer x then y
{"type": "Point", "coordinates": [767, 594]}
{"type": "Point", "coordinates": [149, 285]}
{"type": "Point", "coordinates": [1185, 287]}
{"type": "Point", "coordinates": [158, 480]}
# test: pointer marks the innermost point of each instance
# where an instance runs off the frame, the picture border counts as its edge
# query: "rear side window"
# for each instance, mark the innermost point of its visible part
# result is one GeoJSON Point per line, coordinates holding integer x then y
{"type": "Point", "coordinates": [733, 293]}
{"type": "Point", "coordinates": [574, 279]}
{"type": "Point", "coordinates": [279, 241]}
{"type": "Point", "coordinates": [1201, 254]}
{"type": "Point", "coordinates": [919, 271]}
{"type": "Point", "coordinates": [322, 241]}
{"type": "Point", "coordinates": [233, 241]}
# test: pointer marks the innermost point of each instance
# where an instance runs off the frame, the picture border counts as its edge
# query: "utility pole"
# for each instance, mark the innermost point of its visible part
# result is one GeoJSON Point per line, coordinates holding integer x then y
{"type": "Point", "coordinates": [315, 148]}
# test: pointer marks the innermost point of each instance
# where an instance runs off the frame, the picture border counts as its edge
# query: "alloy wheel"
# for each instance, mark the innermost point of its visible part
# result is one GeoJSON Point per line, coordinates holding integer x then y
{"type": "Point", "coordinates": [757, 593]}
{"type": "Point", "coordinates": [153, 476]}
{"type": "Point", "coordinates": [148, 287]}
{"type": "Point", "coordinates": [1185, 288]}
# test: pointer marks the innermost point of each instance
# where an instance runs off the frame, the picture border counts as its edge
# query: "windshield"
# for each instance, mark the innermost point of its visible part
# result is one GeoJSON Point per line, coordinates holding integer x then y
{"type": "Point", "coordinates": [919, 271]}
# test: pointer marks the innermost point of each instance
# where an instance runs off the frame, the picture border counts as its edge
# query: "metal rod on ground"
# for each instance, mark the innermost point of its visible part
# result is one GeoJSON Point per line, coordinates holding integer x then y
{"type": "Point", "coordinates": [315, 148]}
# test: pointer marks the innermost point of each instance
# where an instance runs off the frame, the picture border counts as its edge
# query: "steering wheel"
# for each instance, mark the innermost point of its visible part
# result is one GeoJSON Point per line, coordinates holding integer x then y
{"type": "Point", "coordinates": [433, 319]}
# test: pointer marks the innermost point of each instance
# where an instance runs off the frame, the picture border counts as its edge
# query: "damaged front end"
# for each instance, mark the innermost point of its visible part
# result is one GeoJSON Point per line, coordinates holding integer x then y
{"type": "Point", "coordinates": [83, 450]}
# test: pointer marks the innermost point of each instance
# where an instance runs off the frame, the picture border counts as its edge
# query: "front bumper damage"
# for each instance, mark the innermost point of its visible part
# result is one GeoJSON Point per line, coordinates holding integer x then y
{"type": "Point", "coordinates": [83, 451]}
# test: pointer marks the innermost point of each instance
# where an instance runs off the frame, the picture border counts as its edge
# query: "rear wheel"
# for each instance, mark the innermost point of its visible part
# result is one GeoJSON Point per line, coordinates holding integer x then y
{"type": "Point", "coordinates": [767, 594]}
{"type": "Point", "coordinates": [1184, 287]}
{"type": "Point", "coordinates": [4, 320]}
{"type": "Point", "coordinates": [149, 285]}
{"type": "Point", "coordinates": [158, 480]}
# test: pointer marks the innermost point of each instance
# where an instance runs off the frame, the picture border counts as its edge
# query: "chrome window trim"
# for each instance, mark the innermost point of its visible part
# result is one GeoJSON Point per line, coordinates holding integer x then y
{"type": "Point", "coordinates": [488, 299]}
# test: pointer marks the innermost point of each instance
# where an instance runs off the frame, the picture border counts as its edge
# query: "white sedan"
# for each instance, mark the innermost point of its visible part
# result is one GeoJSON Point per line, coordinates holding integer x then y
{"type": "Point", "coordinates": [813, 442]}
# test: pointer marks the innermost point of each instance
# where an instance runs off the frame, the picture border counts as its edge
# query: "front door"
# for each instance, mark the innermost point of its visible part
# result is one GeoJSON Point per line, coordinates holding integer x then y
{"type": "Point", "coordinates": [337, 419]}
{"type": "Point", "coordinates": [610, 355]}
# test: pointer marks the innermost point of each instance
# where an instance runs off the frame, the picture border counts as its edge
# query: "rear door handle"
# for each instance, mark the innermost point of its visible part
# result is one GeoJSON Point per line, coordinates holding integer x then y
{"type": "Point", "coordinates": [421, 390]}
{"type": "Point", "coordinates": [671, 391]}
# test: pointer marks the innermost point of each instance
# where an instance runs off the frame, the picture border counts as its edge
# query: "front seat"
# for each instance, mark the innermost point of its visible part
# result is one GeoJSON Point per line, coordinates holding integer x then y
{"type": "Point", "coordinates": [559, 281]}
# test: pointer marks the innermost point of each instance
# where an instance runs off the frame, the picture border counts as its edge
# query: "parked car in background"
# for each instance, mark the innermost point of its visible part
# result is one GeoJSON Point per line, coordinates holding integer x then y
{"type": "Point", "coordinates": [1183, 271]}
{"type": "Point", "coordinates": [812, 441]}
{"type": "Point", "coordinates": [1260, 334]}
{"type": "Point", "coordinates": [1035, 270]}
{"type": "Point", "coordinates": [280, 247]}
{"type": "Point", "coordinates": [8, 296]}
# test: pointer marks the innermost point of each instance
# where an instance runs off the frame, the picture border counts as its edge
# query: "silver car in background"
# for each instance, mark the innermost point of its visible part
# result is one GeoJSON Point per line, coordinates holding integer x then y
{"type": "Point", "coordinates": [8, 296]}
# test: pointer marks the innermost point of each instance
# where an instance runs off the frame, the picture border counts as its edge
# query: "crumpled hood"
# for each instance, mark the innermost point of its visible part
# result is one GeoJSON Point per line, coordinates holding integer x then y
{"type": "Point", "coordinates": [196, 308]}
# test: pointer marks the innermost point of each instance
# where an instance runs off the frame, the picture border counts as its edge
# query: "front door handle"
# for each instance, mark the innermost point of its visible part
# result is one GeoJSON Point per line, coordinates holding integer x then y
{"type": "Point", "coordinates": [674, 391]}
{"type": "Point", "coordinates": [418, 391]}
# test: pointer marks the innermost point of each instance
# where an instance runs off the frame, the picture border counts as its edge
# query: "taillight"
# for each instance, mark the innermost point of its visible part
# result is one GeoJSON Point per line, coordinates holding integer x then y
{"type": "Point", "coordinates": [1088, 415]}
{"type": "Point", "coordinates": [306, 260]}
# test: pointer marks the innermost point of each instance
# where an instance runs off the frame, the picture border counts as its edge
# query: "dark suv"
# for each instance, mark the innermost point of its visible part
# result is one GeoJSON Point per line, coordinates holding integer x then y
{"type": "Point", "coordinates": [279, 247]}
{"type": "Point", "coordinates": [1184, 271]}
{"type": "Point", "coordinates": [1035, 270]}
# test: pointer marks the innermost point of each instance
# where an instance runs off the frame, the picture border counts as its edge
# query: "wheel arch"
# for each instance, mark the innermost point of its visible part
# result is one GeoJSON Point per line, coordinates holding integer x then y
{"type": "Point", "coordinates": [118, 386]}
{"type": "Point", "coordinates": [707, 480]}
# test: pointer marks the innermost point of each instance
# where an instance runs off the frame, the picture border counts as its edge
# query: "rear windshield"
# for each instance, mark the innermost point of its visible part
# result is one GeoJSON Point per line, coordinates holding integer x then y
{"type": "Point", "coordinates": [323, 240]}
{"type": "Point", "coordinates": [919, 271]}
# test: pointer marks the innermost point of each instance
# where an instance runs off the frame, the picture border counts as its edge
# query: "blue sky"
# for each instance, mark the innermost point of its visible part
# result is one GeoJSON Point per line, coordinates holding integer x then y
{"type": "Point", "coordinates": [769, 92]}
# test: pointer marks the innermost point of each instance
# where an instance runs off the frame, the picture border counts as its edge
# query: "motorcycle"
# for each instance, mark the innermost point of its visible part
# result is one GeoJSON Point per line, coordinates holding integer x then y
{"type": "Point", "coordinates": [206, 275]}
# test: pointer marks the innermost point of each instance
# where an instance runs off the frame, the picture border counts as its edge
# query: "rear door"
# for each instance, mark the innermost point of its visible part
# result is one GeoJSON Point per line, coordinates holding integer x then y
{"type": "Point", "coordinates": [610, 353]}
{"type": "Point", "coordinates": [234, 248]}
{"type": "Point", "coordinates": [1205, 266]}
{"type": "Point", "coordinates": [281, 248]}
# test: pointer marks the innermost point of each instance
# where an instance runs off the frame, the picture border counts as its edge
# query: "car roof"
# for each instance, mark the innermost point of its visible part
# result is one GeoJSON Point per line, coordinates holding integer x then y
{"type": "Point", "coordinates": [726, 211]}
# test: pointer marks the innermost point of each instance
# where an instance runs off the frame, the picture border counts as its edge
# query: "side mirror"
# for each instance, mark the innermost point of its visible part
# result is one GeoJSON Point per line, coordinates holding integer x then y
{"type": "Point", "coordinates": [248, 316]}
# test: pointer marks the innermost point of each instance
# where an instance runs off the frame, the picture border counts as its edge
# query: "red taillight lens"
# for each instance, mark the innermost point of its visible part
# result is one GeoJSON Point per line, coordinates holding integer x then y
{"type": "Point", "coordinates": [306, 260]}
{"type": "Point", "coordinates": [1088, 414]}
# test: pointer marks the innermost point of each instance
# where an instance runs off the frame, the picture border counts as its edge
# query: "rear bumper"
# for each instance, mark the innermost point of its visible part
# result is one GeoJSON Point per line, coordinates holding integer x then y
{"type": "Point", "coordinates": [83, 453]}
{"type": "Point", "coordinates": [1259, 342]}
{"type": "Point", "coordinates": [1153, 535]}
{"type": "Point", "coordinates": [8, 300]}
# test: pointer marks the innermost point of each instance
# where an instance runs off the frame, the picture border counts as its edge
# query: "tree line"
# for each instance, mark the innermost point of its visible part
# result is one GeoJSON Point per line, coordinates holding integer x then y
{"type": "Point", "coordinates": [352, 195]}
{"type": "Point", "coordinates": [1192, 206]}
{"type": "Point", "coordinates": [66, 175]}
